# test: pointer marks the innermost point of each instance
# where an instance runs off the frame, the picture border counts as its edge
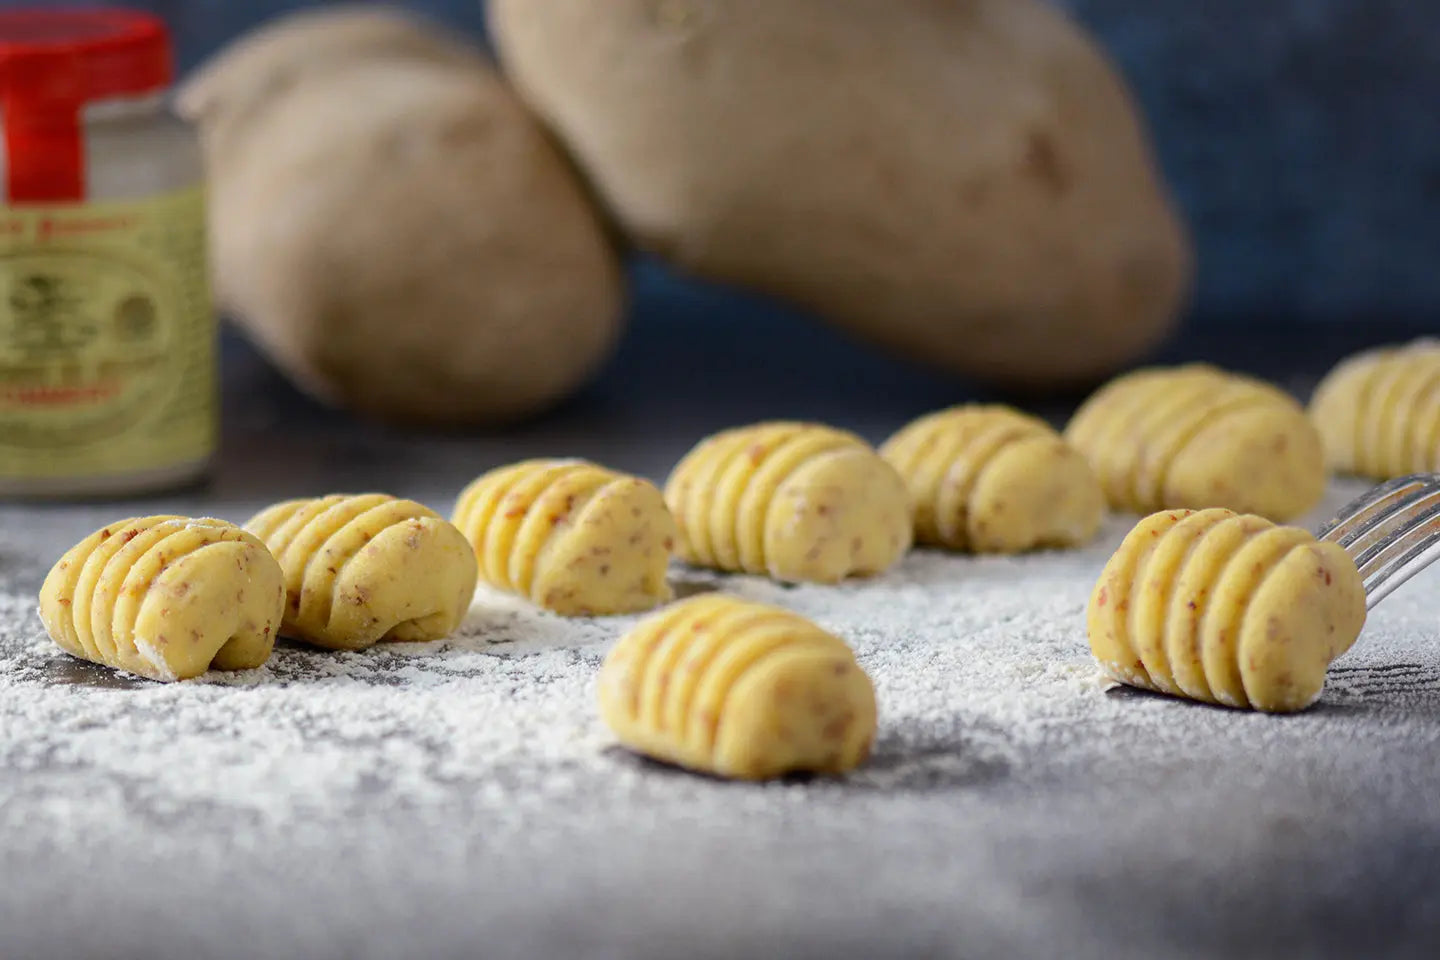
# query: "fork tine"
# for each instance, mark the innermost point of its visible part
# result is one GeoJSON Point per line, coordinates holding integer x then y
{"type": "Point", "coordinates": [1375, 507]}
{"type": "Point", "coordinates": [1391, 531]}
{"type": "Point", "coordinates": [1404, 559]}
{"type": "Point", "coordinates": [1397, 522]}
{"type": "Point", "coordinates": [1398, 529]}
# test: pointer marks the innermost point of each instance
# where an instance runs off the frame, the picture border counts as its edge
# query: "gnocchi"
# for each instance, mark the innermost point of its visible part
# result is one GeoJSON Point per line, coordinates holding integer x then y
{"type": "Point", "coordinates": [575, 538]}
{"type": "Point", "coordinates": [738, 690]}
{"type": "Point", "coordinates": [361, 569]}
{"type": "Point", "coordinates": [1197, 437]}
{"type": "Point", "coordinates": [992, 479]}
{"type": "Point", "coordinates": [797, 501]}
{"type": "Point", "coordinates": [1379, 411]}
{"type": "Point", "coordinates": [1225, 608]}
{"type": "Point", "coordinates": [165, 597]}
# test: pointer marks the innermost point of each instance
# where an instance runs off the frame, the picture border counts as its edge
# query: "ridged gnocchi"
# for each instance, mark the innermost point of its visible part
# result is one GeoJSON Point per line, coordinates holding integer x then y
{"type": "Point", "coordinates": [992, 479]}
{"type": "Point", "coordinates": [739, 690]}
{"type": "Point", "coordinates": [797, 501]}
{"type": "Point", "coordinates": [1197, 437]}
{"type": "Point", "coordinates": [361, 569]}
{"type": "Point", "coordinates": [1379, 411]}
{"type": "Point", "coordinates": [165, 597]}
{"type": "Point", "coordinates": [573, 537]}
{"type": "Point", "coordinates": [1225, 608]}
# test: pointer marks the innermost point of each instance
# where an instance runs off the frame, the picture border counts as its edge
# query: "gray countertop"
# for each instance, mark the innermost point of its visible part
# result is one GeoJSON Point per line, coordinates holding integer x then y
{"type": "Point", "coordinates": [460, 799]}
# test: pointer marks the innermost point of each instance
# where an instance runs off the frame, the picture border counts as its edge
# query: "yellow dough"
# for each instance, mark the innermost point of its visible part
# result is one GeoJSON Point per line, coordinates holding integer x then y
{"type": "Point", "coordinates": [361, 569]}
{"type": "Point", "coordinates": [166, 598]}
{"type": "Point", "coordinates": [797, 501]}
{"type": "Point", "coordinates": [739, 690]}
{"type": "Point", "coordinates": [575, 538]}
{"type": "Point", "coordinates": [992, 479]}
{"type": "Point", "coordinates": [1379, 411]}
{"type": "Point", "coordinates": [1225, 608]}
{"type": "Point", "coordinates": [1197, 437]}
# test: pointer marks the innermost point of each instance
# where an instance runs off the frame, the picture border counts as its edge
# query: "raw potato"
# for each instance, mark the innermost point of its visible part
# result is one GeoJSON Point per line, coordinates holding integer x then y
{"type": "Point", "coordinates": [1226, 609]}
{"type": "Point", "coordinates": [267, 62]}
{"type": "Point", "coordinates": [575, 538]}
{"type": "Point", "coordinates": [366, 568]}
{"type": "Point", "coordinates": [395, 230]}
{"type": "Point", "coordinates": [166, 597]}
{"type": "Point", "coordinates": [993, 480]}
{"type": "Point", "coordinates": [1379, 411]}
{"type": "Point", "coordinates": [796, 501]}
{"type": "Point", "coordinates": [738, 690]}
{"type": "Point", "coordinates": [1197, 437]}
{"type": "Point", "coordinates": [965, 182]}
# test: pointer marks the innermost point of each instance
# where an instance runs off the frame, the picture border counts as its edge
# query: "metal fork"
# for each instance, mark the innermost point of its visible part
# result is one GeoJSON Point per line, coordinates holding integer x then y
{"type": "Point", "coordinates": [1392, 532]}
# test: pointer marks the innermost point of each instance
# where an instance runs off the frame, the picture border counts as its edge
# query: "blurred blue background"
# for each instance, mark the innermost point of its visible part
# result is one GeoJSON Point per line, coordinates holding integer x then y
{"type": "Point", "coordinates": [1301, 137]}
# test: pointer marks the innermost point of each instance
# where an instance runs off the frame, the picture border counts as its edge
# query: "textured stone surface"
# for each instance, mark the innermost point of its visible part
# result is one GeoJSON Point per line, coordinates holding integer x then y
{"type": "Point", "coordinates": [459, 799]}
{"type": "Point", "coordinates": [1301, 138]}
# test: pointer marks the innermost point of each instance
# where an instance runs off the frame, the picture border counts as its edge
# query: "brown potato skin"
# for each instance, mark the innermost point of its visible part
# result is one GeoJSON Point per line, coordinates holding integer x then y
{"type": "Point", "coordinates": [966, 183]}
{"type": "Point", "coordinates": [393, 228]}
{"type": "Point", "coordinates": [260, 65]}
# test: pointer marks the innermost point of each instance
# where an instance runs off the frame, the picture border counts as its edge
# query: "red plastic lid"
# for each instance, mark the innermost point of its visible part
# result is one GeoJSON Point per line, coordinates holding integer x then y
{"type": "Point", "coordinates": [78, 54]}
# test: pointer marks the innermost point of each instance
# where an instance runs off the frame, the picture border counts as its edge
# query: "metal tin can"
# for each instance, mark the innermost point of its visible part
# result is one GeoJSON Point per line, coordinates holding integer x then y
{"type": "Point", "coordinates": [108, 379]}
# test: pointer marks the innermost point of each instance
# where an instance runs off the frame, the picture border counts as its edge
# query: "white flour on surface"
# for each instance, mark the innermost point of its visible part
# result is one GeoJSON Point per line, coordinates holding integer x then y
{"type": "Point", "coordinates": [983, 656]}
{"type": "Point", "coordinates": [487, 746]}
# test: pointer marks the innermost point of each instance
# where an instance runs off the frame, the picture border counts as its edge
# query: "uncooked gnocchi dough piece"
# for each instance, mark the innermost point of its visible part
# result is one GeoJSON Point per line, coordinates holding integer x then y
{"type": "Point", "coordinates": [166, 597]}
{"type": "Point", "coordinates": [575, 538]}
{"type": "Point", "coordinates": [366, 568]}
{"type": "Point", "coordinates": [797, 501]}
{"type": "Point", "coordinates": [1225, 608]}
{"type": "Point", "coordinates": [992, 479]}
{"type": "Point", "coordinates": [739, 690]}
{"type": "Point", "coordinates": [1197, 437]}
{"type": "Point", "coordinates": [1379, 411]}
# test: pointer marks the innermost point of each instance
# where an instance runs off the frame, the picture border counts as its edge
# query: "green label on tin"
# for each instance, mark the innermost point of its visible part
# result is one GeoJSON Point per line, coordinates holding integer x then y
{"type": "Point", "coordinates": [107, 338]}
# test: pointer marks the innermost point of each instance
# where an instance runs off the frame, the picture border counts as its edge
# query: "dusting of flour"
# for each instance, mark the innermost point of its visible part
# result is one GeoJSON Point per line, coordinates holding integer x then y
{"type": "Point", "coordinates": [957, 652]}
{"type": "Point", "coordinates": [977, 662]}
{"type": "Point", "coordinates": [330, 768]}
